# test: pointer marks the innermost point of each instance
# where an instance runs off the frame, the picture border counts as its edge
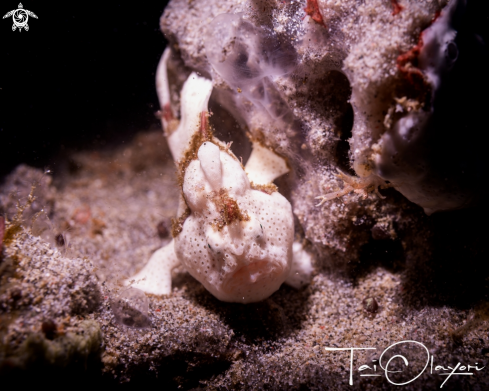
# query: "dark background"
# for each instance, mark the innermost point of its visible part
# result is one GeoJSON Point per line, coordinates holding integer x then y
{"type": "Point", "coordinates": [81, 77]}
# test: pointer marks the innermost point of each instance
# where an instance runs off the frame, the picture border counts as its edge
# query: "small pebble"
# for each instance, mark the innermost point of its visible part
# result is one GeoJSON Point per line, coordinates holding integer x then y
{"type": "Point", "coordinates": [49, 329]}
{"type": "Point", "coordinates": [370, 305]}
{"type": "Point", "coordinates": [60, 240]}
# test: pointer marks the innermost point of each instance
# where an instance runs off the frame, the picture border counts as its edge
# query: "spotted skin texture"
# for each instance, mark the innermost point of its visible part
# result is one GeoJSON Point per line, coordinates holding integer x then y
{"type": "Point", "coordinates": [237, 241]}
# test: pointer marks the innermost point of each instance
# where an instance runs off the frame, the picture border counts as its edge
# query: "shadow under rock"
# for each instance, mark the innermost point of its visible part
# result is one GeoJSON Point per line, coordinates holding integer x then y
{"type": "Point", "coordinates": [455, 271]}
{"type": "Point", "coordinates": [385, 253]}
{"type": "Point", "coordinates": [442, 258]}
{"type": "Point", "coordinates": [271, 319]}
{"type": "Point", "coordinates": [379, 249]}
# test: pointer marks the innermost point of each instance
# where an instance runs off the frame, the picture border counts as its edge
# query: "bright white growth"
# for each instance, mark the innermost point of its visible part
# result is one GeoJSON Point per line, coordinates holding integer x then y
{"type": "Point", "coordinates": [209, 157]}
{"type": "Point", "coordinates": [264, 166]}
{"type": "Point", "coordinates": [155, 277]}
{"type": "Point", "coordinates": [195, 96]}
{"type": "Point", "coordinates": [163, 89]}
{"type": "Point", "coordinates": [236, 241]}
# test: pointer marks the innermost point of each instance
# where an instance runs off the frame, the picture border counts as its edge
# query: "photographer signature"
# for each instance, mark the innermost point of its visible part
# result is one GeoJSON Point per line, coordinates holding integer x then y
{"type": "Point", "coordinates": [441, 370]}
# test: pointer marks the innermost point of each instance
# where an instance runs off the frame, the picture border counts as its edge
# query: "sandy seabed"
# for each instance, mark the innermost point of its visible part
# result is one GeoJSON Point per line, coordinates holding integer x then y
{"type": "Point", "coordinates": [103, 216]}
